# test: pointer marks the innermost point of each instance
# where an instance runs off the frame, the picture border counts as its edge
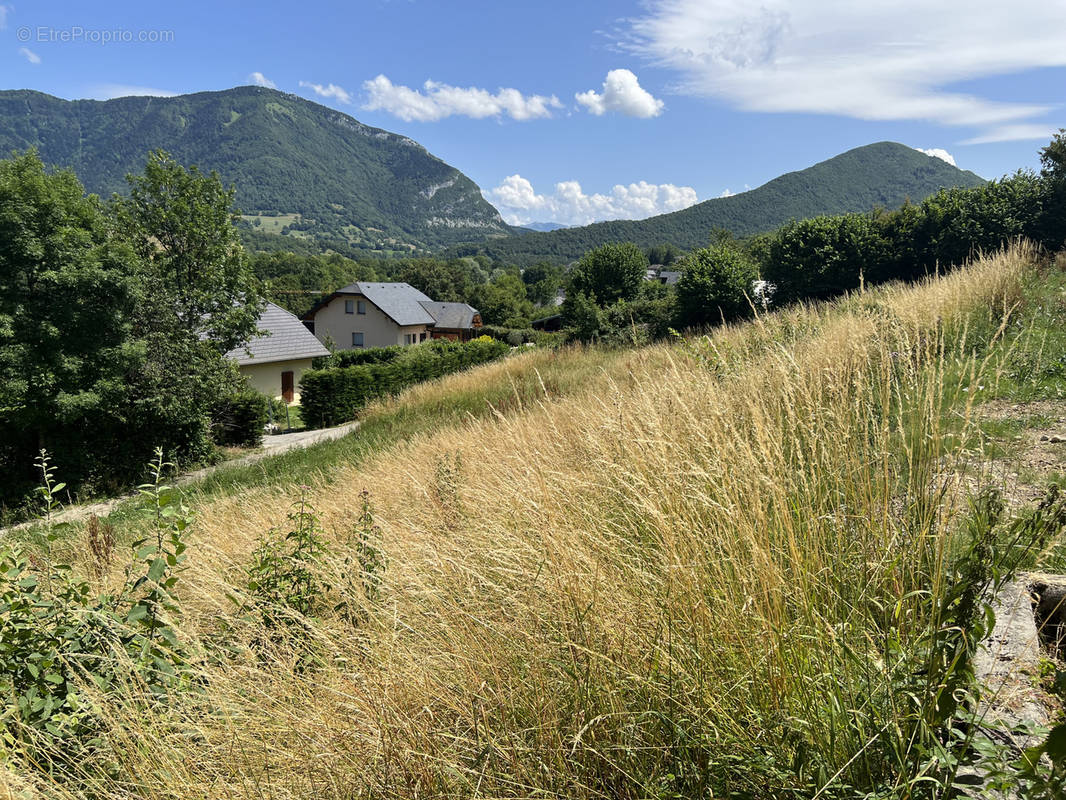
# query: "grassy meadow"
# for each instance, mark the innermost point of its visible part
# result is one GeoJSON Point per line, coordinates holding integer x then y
{"type": "Point", "coordinates": [733, 566]}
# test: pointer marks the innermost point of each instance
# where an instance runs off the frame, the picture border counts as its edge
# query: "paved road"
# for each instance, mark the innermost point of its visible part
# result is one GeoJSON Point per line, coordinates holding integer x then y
{"type": "Point", "coordinates": [272, 445]}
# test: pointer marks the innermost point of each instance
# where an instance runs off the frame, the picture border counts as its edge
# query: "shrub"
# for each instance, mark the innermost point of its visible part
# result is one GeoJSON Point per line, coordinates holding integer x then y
{"type": "Point", "coordinates": [331, 396]}
{"type": "Point", "coordinates": [714, 286]}
{"type": "Point", "coordinates": [239, 419]}
{"type": "Point", "coordinates": [60, 643]}
{"type": "Point", "coordinates": [612, 272]}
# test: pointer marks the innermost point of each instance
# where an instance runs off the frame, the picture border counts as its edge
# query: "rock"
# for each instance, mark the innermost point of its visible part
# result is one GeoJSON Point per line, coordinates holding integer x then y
{"type": "Point", "coordinates": [1008, 667]}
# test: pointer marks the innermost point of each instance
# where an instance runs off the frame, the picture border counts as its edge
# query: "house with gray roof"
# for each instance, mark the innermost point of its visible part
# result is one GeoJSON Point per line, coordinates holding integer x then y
{"type": "Point", "coordinates": [368, 314]}
{"type": "Point", "coordinates": [274, 360]}
{"type": "Point", "coordinates": [456, 321]}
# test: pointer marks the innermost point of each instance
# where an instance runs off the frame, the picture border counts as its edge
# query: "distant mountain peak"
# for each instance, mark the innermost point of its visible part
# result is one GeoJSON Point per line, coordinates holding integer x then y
{"type": "Point", "coordinates": [879, 175]}
{"type": "Point", "coordinates": [317, 175]}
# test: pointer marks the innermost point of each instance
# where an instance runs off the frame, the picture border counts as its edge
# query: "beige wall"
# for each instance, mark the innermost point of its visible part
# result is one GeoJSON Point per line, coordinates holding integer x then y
{"type": "Point", "coordinates": [377, 328]}
{"type": "Point", "coordinates": [266, 378]}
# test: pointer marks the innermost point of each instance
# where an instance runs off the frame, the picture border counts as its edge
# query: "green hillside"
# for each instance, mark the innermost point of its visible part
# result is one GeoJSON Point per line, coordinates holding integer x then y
{"type": "Point", "coordinates": [884, 174]}
{"type": "Point", "coordinates": [299, 168]}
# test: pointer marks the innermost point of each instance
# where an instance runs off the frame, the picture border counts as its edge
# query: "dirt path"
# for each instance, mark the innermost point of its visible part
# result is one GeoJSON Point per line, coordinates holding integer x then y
{"type": "Point", "coordinates": [272, 446]}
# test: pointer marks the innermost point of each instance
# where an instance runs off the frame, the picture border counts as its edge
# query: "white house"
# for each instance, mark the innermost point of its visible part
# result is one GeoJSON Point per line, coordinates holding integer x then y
{"type": "Point", "coordinates": [274, 361]}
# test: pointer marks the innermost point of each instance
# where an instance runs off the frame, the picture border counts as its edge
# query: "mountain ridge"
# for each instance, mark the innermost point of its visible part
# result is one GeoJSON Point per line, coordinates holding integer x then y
{"type": "Point", "coordinates": [330, 177]}
{"type": "Point", "coordinates": [882, 174]}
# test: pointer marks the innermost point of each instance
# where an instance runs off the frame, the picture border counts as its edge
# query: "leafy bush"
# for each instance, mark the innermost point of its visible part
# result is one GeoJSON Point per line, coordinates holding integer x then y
{"type": "Point", "coordinates": [715, 284]}
{"type": "Point", "coordinates": [369, 355]}
{"type": "Point", "coordinates": [60, 643]}
{"type": "Point", "coordinates": [283, 575]}
{"type": "Point", "coordinates": [331, 396]}
{"type": "Point", "coordinates": [610, 272]}
{"type": "Point", "coordinates": [239, 419]}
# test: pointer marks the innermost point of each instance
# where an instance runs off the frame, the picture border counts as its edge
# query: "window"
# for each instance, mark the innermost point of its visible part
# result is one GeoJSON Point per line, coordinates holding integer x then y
{"type": "Point", "coordinates": [361, 307]}
{"type": "Point", "coordinates": [422, 337]}
{"type": "Point", "coordinates": [357, 339]}
{"type": "Point", "coordinates": [349, 306]}
{"type": "Point", "coordinates": [407, 338]}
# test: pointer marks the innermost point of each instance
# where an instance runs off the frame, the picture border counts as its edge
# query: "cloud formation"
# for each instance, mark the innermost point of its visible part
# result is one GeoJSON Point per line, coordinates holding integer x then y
{"type": "Point", "coordinates": [874, 61]}
{"type": "Point", "coordinates": [329, 91]}
{"type": "Point", "coordinates": [439, 100]}
{"type": "Point", "coordinates": [3, 16]}
{"type": "Point", "coordinates": [259, 79]}
{"type": "Point", "coordinates": [29, 55]}
{"type": "Point", "coordinates": [520, 204]}
{"type": "Point", "coordinates": [940, 153]}
{"type": "Point", "coordinates": [623, 93]}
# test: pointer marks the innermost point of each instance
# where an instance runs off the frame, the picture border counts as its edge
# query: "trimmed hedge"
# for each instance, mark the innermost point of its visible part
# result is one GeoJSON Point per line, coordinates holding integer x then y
{"type": "Point", "coordinates": [240, 418]}
{"type": "Point", "coordinates": [334, 395]}
{"type": "Point", "coordinates": [516, 337]}
{"type": "Point", "coordinates": [351, 358]}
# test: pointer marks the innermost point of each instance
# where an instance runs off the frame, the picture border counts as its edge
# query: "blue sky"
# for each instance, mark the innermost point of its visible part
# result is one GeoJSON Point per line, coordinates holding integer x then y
{"type": "Point", "coordinates": [574, 111]}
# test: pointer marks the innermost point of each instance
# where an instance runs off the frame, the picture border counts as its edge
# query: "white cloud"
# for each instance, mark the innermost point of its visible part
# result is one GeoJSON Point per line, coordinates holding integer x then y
{"type": "Point", "coordinates": [623, 93]}
{"type": "Point", "coordinates": [1013, 133]}
{"type": "Point", "coordinates": [727, 193]}
{"type": "Point", "coordinates": [520, 204]}
{"type": "Point", "coordinates": [875, 61]}
{"type": "Point", "coordinates": [259, 79]}
{"type": "Point", "coordinates": [29, 55]}
{"type": "Point", "coordinates": [439, 100]}
{"type": "Point", "coordinates": [937, 152]}
{"type": "Point", "coordinates": [109, 91]}
{"type": "Point", "coordinates": [3, 16]}
{"type": "Point", "coordinates": [331, 90]}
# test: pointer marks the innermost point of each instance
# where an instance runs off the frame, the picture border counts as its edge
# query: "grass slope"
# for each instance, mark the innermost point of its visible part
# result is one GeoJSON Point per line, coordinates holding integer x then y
{"type": "Point", "coordinates": [882, 175]}
{"type": "Point", "coordinates": [698, 570]}
{"type": "Point", "coordinates": [356, 186]}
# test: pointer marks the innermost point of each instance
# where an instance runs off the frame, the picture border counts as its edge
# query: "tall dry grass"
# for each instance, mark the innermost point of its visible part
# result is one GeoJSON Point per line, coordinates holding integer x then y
{"type": "Point", "coordinates": [701, 575]}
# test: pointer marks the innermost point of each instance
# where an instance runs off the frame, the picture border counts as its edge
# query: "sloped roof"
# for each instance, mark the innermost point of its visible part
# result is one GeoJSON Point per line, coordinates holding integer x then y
{"type": "Point", "coordinates": [401, 301]}
{"type": "Point", "coordinates": [450, 315]}
{"type": "Point", "coordinates": [285, 339]}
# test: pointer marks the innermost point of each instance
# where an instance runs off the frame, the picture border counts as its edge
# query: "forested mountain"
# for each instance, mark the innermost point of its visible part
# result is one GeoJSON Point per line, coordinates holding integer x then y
{"type": "Point", "coordinates": [299, 168]}
{"type": "Point", "coordinates": [884, 174]}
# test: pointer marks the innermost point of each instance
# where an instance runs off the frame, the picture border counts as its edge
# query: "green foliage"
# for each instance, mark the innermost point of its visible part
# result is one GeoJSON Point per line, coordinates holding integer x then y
{"type": "Point", "coordinates": [61, 645]}
{"type": "Point", "coordinates": [715, 285]}
{"type": "Point", "coordinates": [664, 254]}
{"type": "Point", "coordinates": [609, 273]}
{"type": "Point", "coordinates": [351, 188]}
{"type": "Point", "coordinates": [503, 301]}
{"type": "Point", "coordinates": [1053, 171]}
{"type": "Point", "coordinates": [882, 175]}
{"type": "Point", "coordinates": [369, 553]}
{"type": "Point", "coordinates": [107, 318]}
{"type": "Point", "coordinates": [542, 281]}
{"type": "Point", "coordinates": [67, 300]}
{"type": "Point", "coordinates": [444, 281]}
{"type": "Point", "coordinates": [195, 275]}
{"type": "Point", "coordinates": [334, 395]}
{"type": "Point", "coordinates": [284, 575]}
{"type": "Point", "coordinates": [823, 256]}
{"type": "Point", "coordinates": [583, 319]}
{"type": "Point", "coordinates": [239, 419]}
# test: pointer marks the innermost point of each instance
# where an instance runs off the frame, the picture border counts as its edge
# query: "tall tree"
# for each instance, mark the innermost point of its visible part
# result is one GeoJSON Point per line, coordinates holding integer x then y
{"type": "Point", "coordinates": [1053, 171]}
{"type": "Point", "coordinates": [715, 285]}
{"type": "Point", "coordinates": [182, 223]}
{"type": "Point", "coordinates": [67, 297]}
{"type": "Point", "coordinates": [611, 272]}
